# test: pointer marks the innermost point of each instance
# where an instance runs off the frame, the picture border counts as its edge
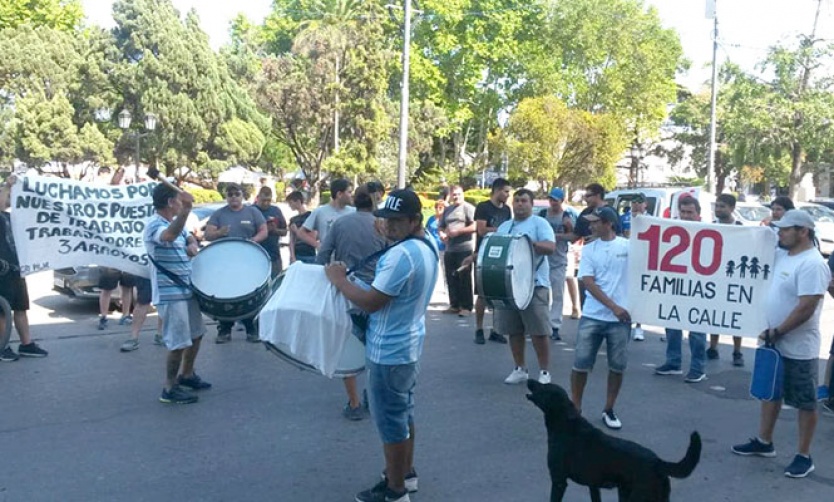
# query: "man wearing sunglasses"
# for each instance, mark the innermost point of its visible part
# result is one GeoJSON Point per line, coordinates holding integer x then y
{"type": "Point", "coordinates": [244, 222]}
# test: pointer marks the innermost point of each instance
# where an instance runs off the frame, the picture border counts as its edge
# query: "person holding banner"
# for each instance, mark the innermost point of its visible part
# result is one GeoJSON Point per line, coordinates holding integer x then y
{"type": "Point", "coordinates": [397, 303]}
{"type": "Point", "coordinates": [13, 285]}
{"type": "Point", "coordinates": [725, 204]}
{"type": "Point", "coordinates": [170, 247]}
{"type": "Point", "coordinates": [535, 319]}
{"type": "Point", "coordinates": [638, 208]}
{"type": "Point", "coordinates": [689, 209]}
{"type": "Point", "coordinates": [604, 272]}
{"type": "Point", "coordinates": [794, 305]}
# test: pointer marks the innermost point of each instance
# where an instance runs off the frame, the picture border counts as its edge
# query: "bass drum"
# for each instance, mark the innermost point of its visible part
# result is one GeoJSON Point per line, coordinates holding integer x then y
{"type": "Point", "coordinates": [231, 279]}
{"type": "Point", "coordinates": [351, 362]}
{"type": "Point", "coordinates": [505, 271]}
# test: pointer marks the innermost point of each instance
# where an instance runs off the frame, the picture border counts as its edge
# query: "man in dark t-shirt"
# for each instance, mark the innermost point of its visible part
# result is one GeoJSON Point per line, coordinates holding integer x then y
{"type": "Point", "coordinates": [489, 214]}
{"type": "Point", "coordinates": [299, 250]}
{"type": "Point", "coordinates": [276, 227]}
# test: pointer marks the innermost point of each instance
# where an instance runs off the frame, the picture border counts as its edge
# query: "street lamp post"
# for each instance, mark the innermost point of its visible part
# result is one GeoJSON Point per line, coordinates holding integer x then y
{"type": "Point", "coordinates": [150, 125]}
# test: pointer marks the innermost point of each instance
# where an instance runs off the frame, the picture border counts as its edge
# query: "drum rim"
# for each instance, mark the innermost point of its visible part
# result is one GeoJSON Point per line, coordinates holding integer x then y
{"type": "Point", "coordinates": [228, 240]}
{"type": "Point", "coordinates": [507, 272]}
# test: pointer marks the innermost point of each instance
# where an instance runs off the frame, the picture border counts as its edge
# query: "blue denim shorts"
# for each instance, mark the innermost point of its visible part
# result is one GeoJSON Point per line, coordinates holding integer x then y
{"type": "Point", "coordinates": [391, 398]}
{"type": "Point", "coordinates": [589, 337]}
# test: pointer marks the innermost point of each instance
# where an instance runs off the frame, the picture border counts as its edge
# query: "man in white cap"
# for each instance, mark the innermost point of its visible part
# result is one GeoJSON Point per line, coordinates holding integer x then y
{"type": "Point", "coordinates": [794, 303]}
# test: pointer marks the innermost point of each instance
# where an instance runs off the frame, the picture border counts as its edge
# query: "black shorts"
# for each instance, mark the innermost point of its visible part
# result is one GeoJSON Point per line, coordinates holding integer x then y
{"type": "Point", "coordinates": [13, 289]}
{"type": "Point", "coordinates": [110, 278]}
{"type": "Point", "coordinates": [800, 387]}
{"type": "Point", "coordinates": [143, 291]}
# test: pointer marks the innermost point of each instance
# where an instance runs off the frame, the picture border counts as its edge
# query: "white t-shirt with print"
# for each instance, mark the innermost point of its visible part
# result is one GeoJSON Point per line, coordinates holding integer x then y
{"type": "Point", "coordinates": [607, 263]}
{"type": "Point", "coordinates": [804, 274]}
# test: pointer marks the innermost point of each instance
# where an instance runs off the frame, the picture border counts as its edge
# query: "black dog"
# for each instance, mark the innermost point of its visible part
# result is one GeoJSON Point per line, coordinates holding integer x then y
{"type": "Point", "coordinates": [579, 451]}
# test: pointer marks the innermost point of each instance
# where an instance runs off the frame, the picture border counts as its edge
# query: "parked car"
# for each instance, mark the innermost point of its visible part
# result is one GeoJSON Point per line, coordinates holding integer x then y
{"type": "Point", "coordinates": [79, 282]}
{"type": "Point", "coordinates": [823, 224]}
{"type": "Point", "coordinates": [824, 201]}
{"type": "Point", "coordinates": [751, 213]}
{"type": "Point", "coordinates": [661, 202]}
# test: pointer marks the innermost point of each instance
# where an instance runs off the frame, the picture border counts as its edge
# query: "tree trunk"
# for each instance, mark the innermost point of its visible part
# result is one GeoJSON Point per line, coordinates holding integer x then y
{"type": "Point", "coordinates": [796, 170]}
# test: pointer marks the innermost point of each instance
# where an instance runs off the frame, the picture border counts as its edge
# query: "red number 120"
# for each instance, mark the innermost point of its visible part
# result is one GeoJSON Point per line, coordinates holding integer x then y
{"type": "Point", "coordinates": [682, 242]}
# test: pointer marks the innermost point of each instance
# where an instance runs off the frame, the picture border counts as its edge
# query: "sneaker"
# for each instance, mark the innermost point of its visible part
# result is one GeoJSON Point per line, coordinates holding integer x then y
{"type": "Point", "coordinates": [695, 377]}
{"type": "Point", "coordinates": [637, 335]}
{"type": "Point", "coordinates": [31, 350]}
{"type": "Point", "coordinates": [223, 337]}
{"type": "Point", "coordinates": [827, 407]}
{"type": "Point", "coordinates": [102, 323]}
{"type": "Point", "coordinates": [800, 467]}
{"type": "Point", "coordinates": [611, 420]}
{"type": "Point", "coordinates": [129, 345]}
{"type": "Point", "coordinates": [157, 339]}
{"type": "Point", "coordinates": [8, 355]}
{"type": "Point", "coordinates": [554, 334]}
{"type": "Point", "coordinates": [353, 414]}
{"type": "Point", "coordinates": [194, 382]}
{"type": "Point", "coordinates": [126, 320]}
{"type": "Point", "coordinates": [738, 359]}
{"type": "Point", "coordinates": [177, 396]}
{"type": "Point", "coordinates": [712, 353]}
{"type": "Point", "coordinates": [479, 337]}
{"type": "Point", "coordinates": [464, 313]}
{"type": "Point", "coordinates": [668, 369]}
{"type": "Point", "coordinates": [544, 377]}
{"type": "Point", "coordinates": [252, 338]}
{"type": "Point", "coordinates": [497, 337]}
{"type": "Point", "coordinates": [755, 447]}
{"type": "Point", "coordinates": [822, 393]}
{"type": "Point", "coordinates": [519, 375]}
{"type": "Point", "coordinates": [381, 493]}
{"type": "Point", "coordinates": [410, 480]}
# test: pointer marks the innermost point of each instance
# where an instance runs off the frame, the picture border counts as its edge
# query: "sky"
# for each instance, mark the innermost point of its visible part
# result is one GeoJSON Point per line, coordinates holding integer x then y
{"type": "Point", "coordinates": [746, 27]}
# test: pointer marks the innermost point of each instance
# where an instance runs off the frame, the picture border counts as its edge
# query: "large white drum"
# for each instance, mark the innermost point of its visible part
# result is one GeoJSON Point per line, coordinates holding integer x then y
{"type": "Point", "coordinates": [231, 279]}
{"type": "Point", "coordinates": [505, 272]}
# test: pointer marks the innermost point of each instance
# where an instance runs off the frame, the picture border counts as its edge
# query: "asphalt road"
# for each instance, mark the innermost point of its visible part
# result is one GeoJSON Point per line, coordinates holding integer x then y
{"type": "Point", "coordinates": [84, 424]}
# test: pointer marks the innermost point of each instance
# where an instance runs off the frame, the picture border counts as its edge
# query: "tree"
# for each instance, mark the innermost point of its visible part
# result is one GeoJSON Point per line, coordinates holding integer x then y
{"type": "Point", "coordinates": [45, 131]}
{"type": "Point", "coordinates": [62, 15]}
{"type": "Point", "coordinates": [548, 142]}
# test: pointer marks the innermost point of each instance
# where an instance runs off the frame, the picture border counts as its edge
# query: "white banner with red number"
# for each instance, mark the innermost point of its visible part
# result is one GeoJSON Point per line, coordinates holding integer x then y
{"type": "Point", "coordinates": [698, 276]}
{"type": "Point", "coordinates": [64, 223]}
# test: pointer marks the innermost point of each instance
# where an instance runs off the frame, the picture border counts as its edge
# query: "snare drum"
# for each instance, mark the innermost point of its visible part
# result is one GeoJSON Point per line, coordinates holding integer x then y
{"type": "Point", "coordinates": [505, 271]}
{"type": "Point", "coordinates": [231, 279]}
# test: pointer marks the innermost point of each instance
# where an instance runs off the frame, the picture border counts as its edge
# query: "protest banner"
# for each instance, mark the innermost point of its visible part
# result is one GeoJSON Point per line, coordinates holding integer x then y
{"type": "Point", "coordinates": [697, 276]}
{"type": "Point", "coordinates": [60, 223]}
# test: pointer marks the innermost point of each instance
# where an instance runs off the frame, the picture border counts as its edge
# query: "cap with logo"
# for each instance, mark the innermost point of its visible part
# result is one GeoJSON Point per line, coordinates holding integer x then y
{"type": "Point", "coordinates": [604, 213]}
{"type": "Point", "coordinates": [400, 204]}
{"type": "Point", "coordinates": [795, 218]}
{"type": "Point", "coordinates": [557, 193]}
{"type": "Point", "coordinates": [639, 198]}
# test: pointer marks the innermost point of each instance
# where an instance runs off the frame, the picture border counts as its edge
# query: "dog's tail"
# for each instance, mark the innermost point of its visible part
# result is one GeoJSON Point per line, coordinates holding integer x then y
{"type": "Point", "coordinates": [685, 467]}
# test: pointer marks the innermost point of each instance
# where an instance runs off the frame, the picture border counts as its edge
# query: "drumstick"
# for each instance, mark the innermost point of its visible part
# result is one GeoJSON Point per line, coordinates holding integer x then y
{"type": "Point", "coordinates": [154, 174]}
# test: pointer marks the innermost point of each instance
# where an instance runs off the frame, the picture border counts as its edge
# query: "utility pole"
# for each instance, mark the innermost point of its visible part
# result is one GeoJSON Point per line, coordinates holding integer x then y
{"type": "Point", "coordinates": [403, 154]}
{"type": "Point", "coordinates": [713, 10]}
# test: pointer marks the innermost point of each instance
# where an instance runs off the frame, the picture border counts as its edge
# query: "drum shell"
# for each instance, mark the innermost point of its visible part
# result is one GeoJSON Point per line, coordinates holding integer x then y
{"type": "Point", "coordinates": [238, 307]}
{"type": "Point", "coordinates": [493, 274]}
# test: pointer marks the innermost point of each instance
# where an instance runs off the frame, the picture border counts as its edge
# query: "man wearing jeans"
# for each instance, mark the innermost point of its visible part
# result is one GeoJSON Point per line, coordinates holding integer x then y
{"type": "Point", "coordinates": [689, 209]}
{"type": "Point", "coordinates": [397, 303]}
{"type": "Point", "coordinates": [604, 272]}
{"type": "Point", "coordinates": [793, 308]}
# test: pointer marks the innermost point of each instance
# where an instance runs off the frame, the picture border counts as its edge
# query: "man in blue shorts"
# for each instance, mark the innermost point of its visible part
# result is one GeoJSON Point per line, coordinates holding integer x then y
{"type": "Point", "coordinates": [170, 247]}
{"type": "Point", "coordinates": [397, 302]}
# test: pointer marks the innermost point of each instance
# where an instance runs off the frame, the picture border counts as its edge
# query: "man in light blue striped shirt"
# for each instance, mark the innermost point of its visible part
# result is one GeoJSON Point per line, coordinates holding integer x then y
{"type": "Point", "coordinates": [397, 302]}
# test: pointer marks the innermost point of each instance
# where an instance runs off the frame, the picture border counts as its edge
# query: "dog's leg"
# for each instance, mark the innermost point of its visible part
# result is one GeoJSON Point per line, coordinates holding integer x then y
{"type": "Point", "coordinates": [595, 495]}
{"type": "Point", "coordinates": [557, 490]}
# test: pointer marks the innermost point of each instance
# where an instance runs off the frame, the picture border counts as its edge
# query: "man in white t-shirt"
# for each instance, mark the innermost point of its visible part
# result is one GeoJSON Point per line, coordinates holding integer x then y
{"type": "Point", "coordinates": [604, 273]}
{"type": "Point", "coordinates": [794, 303]}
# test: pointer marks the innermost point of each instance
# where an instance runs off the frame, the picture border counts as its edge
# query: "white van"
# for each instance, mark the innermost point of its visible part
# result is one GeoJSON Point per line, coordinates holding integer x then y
{"type": "Point", "coordinates": [662, 202]}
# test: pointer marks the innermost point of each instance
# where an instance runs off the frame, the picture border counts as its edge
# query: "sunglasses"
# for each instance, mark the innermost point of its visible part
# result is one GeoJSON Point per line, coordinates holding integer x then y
{"type": "Point", "coordinates": [234, 194]}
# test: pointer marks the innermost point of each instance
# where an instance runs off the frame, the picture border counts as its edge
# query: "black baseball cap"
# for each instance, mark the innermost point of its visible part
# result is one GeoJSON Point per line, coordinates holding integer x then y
{"type": "Point", "coordinates": [639, 197]}
{"type": "Point", "coordinates": [400, 204]}
{"type": "Point", "coordinates": [604, 213]}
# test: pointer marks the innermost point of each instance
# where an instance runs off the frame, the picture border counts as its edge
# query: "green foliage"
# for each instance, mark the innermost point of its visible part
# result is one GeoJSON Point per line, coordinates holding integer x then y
{"type": "Point", "coordinates": [62, 15]}
{"type": "Point", "coordinates": [203, 196]}
{"type": "Point", "coordinates": [45, 131]}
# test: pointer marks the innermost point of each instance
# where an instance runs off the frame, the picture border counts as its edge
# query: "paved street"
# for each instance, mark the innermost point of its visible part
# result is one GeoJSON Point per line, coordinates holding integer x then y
{"type": "Point", "coordinates": [84, 424]}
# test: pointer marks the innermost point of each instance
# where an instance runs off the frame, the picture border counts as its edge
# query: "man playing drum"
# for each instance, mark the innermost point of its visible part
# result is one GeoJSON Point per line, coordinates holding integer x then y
{"type": "Point", "coordinates": [170, 246]}
{"type": "Point", "coordinates": [397, 303]}
{"type": "Point", "coordinates": [243, 222]}
{"type": "Point", "coordinates": [535, 319]}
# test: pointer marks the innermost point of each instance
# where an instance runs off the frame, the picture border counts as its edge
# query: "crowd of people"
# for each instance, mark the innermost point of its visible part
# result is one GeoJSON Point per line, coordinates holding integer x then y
{"type": "Point", "coordinates": [376, 252]}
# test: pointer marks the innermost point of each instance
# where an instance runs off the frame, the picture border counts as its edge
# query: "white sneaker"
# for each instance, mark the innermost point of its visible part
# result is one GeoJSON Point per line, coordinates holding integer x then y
{"type": "Point", "coordinates": [519, 375]}
{"type": "Point", "coordinates": [611, 420]}
{"type": "Point", "coordinates": [637, 335]}
{"type": "Point", "coordinates": [544, 377]}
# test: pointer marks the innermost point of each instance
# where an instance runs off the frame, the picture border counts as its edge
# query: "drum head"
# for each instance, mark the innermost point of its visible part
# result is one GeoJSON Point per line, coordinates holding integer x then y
{"type": "Point", "coordinates": [230, 268]}
{"type": "Point", "coordinates": [523, 275]}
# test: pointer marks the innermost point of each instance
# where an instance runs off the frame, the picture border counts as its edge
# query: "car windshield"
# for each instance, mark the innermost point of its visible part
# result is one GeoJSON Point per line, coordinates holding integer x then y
{"type": "Point", "coordinates": [202, 212]}
{"type": "Point", "coordinates": [819, 213]}
{"type": "Point", "coordinates": [753, 213]}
